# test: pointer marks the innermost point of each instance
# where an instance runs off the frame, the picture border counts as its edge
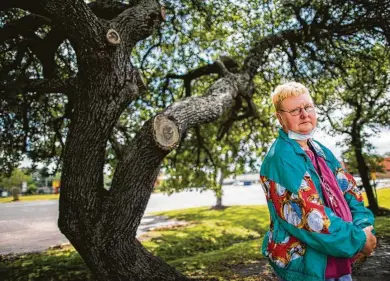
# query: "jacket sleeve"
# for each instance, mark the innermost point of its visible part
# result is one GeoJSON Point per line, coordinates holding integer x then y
{"type": "Point", "coordinates": [362, 216]}
{"type": "Point", "coordinates": [304, 216]}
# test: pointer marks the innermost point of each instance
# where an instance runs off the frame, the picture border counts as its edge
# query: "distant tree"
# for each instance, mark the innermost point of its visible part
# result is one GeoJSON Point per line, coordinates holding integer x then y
{"type": "Point", "coordinates": [32, 189]}
{"type": "Point", "coordinates": [44, 177]}
{"type": "Point", "coordinates": [357, 106]}
{"type": "Point", "coordinates": [16, 179]}
{"type": "Point", "coordinates": [374, 162]}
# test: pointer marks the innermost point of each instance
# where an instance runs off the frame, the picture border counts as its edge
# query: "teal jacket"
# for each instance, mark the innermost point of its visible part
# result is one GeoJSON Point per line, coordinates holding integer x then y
{"type": "Point", "coordinates": [303, 231]}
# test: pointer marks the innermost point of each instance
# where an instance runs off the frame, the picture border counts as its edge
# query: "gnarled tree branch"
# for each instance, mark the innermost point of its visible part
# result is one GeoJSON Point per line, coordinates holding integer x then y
{"type": "Point", "coordinates": [27, 5]}
{"type": "Point", "coordinates": [250, 111]}
{"type": "Point", "coordinates": [154, 141]}
{"type": "Point", "coordinates": [108, 9]}
{"type": "Point", "coordinates": [41, 86]}
{"type": "Point", "coordinates": [316, 31]}
{"type": "Point", "coordinates": [138, 22]}
{"type": "Point", "coordinates": [25, 26]}
{"type": "Point", "coordinates": [223, 67]}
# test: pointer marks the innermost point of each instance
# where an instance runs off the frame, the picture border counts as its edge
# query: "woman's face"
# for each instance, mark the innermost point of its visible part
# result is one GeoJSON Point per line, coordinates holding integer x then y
{"type": "Point", "coordinates": [302, 123]}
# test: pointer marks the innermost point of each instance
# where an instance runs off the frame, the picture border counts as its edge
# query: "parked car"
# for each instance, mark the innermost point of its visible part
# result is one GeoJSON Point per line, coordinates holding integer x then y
{"type": "Point", "coordinates": [44, 190]}
{"type": "Point", "coordinates": [4, 193]}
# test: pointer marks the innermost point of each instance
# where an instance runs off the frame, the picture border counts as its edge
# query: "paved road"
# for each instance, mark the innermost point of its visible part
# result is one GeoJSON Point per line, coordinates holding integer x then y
{"type": "Point", "coordinates": [32, 226]}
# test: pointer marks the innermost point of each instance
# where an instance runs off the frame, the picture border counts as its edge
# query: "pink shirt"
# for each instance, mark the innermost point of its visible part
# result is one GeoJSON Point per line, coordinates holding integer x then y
{"type": "Point", "coordinates": [334, 199]}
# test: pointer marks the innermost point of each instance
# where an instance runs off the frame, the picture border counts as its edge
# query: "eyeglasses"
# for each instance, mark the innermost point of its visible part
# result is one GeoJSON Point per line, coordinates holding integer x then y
{"type": "Point", "coordinates": [298, 111]}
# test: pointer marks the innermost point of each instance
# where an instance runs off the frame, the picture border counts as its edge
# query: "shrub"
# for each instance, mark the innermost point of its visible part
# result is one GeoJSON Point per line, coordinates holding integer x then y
{"type": "Point", "coordinates": [32, 189]}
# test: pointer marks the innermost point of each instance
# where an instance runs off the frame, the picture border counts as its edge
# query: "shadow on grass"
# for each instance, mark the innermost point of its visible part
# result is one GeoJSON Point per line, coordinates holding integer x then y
{"type": "Point", "coordinates": [63, 264]}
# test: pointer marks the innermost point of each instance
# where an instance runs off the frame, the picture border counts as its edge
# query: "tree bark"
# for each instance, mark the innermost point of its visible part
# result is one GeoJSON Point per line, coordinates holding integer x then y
{"type": "Point", "coordinates": [219, 192]}
{"type": "Point", "coordinates": [102, 224]}
{"type": "Point", "coordinates": [124, 259]}
{"type": "Point", "coordinates": [218, 204]}
{"type": "Point", "coordinates": [363, 171]}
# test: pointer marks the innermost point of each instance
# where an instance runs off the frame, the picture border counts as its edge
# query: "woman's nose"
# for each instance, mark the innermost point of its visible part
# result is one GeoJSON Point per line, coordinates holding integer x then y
{"type": "Point", "coordinates": [304, 113]}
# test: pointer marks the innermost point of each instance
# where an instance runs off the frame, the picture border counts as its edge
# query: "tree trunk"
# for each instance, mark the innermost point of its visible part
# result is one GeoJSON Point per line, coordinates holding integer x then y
{"type": "Point", "coordinates": [219, 192]}
{"type": "Point", "coordinates": [218, 204]}
{"type": "Point", "coordinates": [125, 259]}
{"type": "Point", "coordinates": [102, 224]}
{"type": "Point", "coordinates": [363, 171]}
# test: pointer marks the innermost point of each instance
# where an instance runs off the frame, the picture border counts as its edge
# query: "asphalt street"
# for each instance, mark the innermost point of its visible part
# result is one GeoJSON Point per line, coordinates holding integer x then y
{"type": "Point", "coordinates": [32, 226]}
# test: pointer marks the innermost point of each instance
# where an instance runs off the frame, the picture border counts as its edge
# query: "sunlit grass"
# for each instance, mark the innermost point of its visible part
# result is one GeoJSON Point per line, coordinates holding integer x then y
{"type": "Point", "coordinates": [209, 230]}
{"type": "Point", "coordinates": [31, 198]}
{"type": "Point", "coordinates": [382, 224]}
{"type": "Point", "coordinates": [383, 197]}
{"type": "Point", "coordinates": [222, 264]}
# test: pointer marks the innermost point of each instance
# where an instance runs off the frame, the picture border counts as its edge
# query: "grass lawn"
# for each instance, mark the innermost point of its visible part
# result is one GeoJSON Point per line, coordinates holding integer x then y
{"type": "Point", "coordinates": [215, 245]}
{"type": "Point", "coordinates": [383, 197]}
{"type": "Point", "coordinates": [31, 198]}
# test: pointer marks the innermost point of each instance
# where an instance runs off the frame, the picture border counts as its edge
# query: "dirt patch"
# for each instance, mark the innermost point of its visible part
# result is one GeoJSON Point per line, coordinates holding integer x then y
{"type": "Point", "coordinates": [258, 270]}
{"type": "Point", "coordinates": [376, 267]}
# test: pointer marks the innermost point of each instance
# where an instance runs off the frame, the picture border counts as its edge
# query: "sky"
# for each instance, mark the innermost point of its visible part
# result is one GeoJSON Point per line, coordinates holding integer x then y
{"type": "Point", "coordinates": [381, 142]}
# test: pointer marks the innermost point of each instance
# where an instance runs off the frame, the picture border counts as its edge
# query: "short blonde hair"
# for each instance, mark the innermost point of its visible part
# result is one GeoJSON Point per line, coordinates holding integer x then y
{"type": "Point", "coordinates": [286, 90]}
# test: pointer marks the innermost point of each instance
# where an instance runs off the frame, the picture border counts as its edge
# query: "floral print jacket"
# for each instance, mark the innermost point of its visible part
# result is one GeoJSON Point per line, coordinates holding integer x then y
{"type": "Point", "coordinates": [303, 231]}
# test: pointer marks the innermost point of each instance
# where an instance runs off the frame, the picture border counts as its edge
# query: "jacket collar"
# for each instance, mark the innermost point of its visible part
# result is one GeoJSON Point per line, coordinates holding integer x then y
{"type": "Point", "coordinates": [297, 148]}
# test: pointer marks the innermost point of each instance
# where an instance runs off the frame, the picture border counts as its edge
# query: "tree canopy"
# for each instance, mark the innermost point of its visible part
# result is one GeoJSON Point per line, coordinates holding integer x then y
{"type": "Point", "coordinates": [313, 37]}
{"type": "Point", "coordinates": [16, 179]}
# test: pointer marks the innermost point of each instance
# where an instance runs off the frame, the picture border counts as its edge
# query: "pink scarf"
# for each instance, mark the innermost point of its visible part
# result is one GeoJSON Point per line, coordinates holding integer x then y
{"type": "Point", "coordinates": [334, 199]}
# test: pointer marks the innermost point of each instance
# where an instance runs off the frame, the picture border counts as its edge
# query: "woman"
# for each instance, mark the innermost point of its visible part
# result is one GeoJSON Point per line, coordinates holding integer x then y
{"type": "Point", "coordinates": [318, 219]}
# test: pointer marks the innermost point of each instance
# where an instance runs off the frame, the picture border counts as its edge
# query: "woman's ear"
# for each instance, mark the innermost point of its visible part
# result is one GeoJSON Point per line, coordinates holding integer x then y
{"type": "Point", "coordinates": [280, 118]}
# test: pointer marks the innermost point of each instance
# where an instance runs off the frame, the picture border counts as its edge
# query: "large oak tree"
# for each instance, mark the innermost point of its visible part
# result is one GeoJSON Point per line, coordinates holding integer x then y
{"type": "Point", "coordinates": [68, 75]}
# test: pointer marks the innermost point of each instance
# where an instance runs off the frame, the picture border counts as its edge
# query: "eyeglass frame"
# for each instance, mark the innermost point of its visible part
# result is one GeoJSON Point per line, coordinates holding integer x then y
{"type": "Point", "coordinates": [300, 109]}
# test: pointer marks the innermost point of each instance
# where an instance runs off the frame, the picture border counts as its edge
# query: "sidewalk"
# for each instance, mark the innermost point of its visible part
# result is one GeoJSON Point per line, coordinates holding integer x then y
{"type": "Point", "coordinates": [16, 238]}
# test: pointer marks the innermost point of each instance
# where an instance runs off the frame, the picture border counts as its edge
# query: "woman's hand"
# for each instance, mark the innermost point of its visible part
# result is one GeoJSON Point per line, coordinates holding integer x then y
{"type": "Point", "coordinates": [370, 241]}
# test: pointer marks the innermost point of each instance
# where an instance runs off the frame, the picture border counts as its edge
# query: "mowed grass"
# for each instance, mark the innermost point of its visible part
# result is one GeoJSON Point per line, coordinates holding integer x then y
{"type": "Point", "coordinates": [382, 224]}
{"type": "Point", "coordinates": [383, 197]}
{"type": "Point", "coordinates": [58, 264]}
{"type": "Point", "coordinates": [215, 245]}
{"type": "Point", "coordinates": [31, 198]}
